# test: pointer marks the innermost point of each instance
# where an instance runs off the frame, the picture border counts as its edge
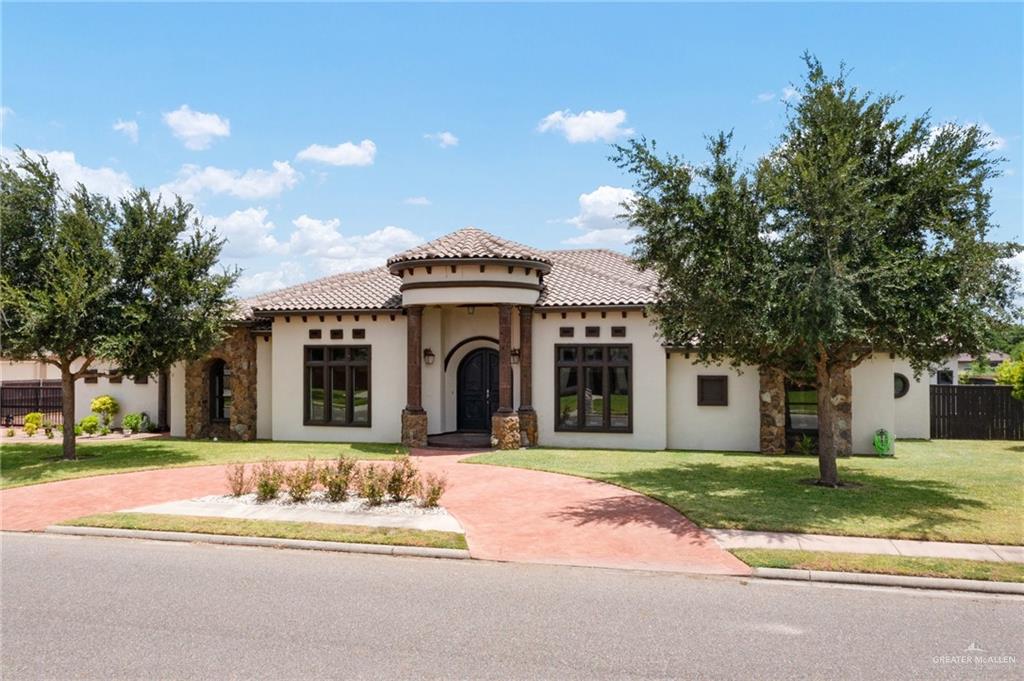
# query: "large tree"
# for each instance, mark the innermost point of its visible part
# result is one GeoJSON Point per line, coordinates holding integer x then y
{"type": "Point", "coordinates": [133, 283]}
{"type": "Point", "coordinates": [862, 231]}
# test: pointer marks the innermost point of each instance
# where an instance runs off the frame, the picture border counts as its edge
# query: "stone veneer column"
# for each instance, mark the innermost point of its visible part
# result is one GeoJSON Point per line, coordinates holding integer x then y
{"type": "Point", "coordinates": [414, 418]}
{"type": "Point", "coordinates": [505, 422]}
{"type": "Point", "coordinates": [773, 410]}
{"type": "Point", "coordinates": [238, 350]}
{"type": "Point", "coordinates": [527, 416]}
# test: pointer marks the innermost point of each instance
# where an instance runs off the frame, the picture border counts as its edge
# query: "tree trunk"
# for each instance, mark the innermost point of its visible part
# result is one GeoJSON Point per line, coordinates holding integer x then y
{"type": "Point", "coordinates": [67, 384]}
{"type": "Point", "coordinates": [834, 419]}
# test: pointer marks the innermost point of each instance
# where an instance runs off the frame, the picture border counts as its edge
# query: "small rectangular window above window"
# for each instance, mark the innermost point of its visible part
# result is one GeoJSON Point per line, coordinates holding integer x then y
{"type": "Point", "coordinates": [359, 334]}
{"type": "Point", "coordinates": [618, 332]}
{"type": "Point", "coordinates": [115, 376]}
{"type": "Point", "coordinates": [337, 334]}
{"type": "Point", "coordinates": [91, 376]}
{"type": "Point", "coordinates": [593, 331]}
{"type": "Point", "coordinates": [315, 334]}
{"type": "Point", "coordinates": [566, 332]}
{"type": "Point", "coordinates": [141, 380]}
{"type": "Point", "coordinates": [712, 391]}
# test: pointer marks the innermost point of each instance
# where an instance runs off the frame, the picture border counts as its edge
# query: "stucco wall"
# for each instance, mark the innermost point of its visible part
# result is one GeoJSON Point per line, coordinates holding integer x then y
{"type": "Point", "coordinates": [176, 399]}
{"type": "Point", "coordinates": [912, 418]}
{"type": "Point", "coordinates": [735, 427]}
{"type": "Point", "coordinates": [387, 377]}
{"type": "Point", "coordinates": [27, 371]}
{"type": "Point", "coordinates": [649, 379]}
{"type": "Point", "coordinates": [130, 396]}
{"type": "Point", "coordinates": [873, 403]}
{"type": "Point", "coordinates": [264, 388]}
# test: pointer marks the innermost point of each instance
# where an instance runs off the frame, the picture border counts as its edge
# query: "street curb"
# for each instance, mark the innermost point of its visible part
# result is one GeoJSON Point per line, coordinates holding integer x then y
{"type": "Point", "coordinates": [891, 580]}
{"type": "Point", "coordinates": [272, 542]}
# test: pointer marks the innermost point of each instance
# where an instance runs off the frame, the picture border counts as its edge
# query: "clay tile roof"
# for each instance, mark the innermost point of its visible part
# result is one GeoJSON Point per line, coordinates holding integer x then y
{"type": "Point", "coordinates": [374, 289]}
{"type": "Point", "coordinates": [596, 277]}
{"type": "Point", "coordinates": [470, 243]}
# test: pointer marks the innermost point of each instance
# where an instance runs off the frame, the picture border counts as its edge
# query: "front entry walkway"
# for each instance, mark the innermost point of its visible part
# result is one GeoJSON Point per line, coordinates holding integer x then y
{"type": "Point", "coordinates": [509, 514]}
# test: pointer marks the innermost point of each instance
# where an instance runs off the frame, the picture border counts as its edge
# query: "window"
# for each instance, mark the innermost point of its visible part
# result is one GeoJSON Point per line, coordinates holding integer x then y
{"type": "Point", "coordinates": [712, 391]}
{"type": "Point", "coordinates": [115, 376]}
{"type": "Point", "coordinates": [92, 376]}
{"type": "Point", "coordinates": [901, 385]}
{"type": "Point", "coordinates": [593, 385]}
{"type": "Point", "coordinates": [337, 385]}
{"type": "Point", "coordinates": [220, 391]}
{"type": "Point", "coordinates": [593, 331]}
{"type": "Point", "coordinates": [801, 409]}
{"type": "Point", "coordinates": [618, 332]}
{"type": "Point", "coordinates": [315, 334]}
{"type": "Point", "coordinates": [565, 332]}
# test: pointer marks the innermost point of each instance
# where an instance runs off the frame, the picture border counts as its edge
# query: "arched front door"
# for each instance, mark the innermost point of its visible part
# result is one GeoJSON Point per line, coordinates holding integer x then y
{"type": "Point", "coordinates": [478, 389]}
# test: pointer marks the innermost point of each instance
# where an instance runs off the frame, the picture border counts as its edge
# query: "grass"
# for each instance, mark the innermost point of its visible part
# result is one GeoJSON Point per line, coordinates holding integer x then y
{"type": "Point", "coordinates": [946, 490]}
{"type": "Point", "coordinates": [358, 534]}
{"type": "Point", "coordinates": [884, 565]}
{"type": "Point", "coordinates": [29, 464]}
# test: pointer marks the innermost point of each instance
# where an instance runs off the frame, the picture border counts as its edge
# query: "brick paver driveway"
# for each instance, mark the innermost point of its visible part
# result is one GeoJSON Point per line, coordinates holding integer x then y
{"type": "Point", "coordinates": [508, 514]}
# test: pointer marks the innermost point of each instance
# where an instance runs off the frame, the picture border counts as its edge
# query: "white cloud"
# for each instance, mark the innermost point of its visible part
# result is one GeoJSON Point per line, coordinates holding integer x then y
{"type": "Point", "coordinates": [444, 139]}
{"type": "Point", "coordinates": [335, 252]}
{"type": "Point", "coordinates": [417, 201]}
{"type": "Point", "coordinates": [284, 274]}
{"type": "Point", "coordinates": [789, 92]}
{"type": "Point", "coordinates": [588, 126]}
{"type": "Point", "coordinates": [129, 128]}
{"type": "Point", "coordinates": [247, 233]}
{"type": "Point", "coordinates": [195, 128]}
{"type": "Point", "coordinates": [256, 183]}
{"type": "Point", "coordinates": [764, 97]}
{"type": "Point", "coordinates": [995, 142]}
{"type": "Point", "coordinates": [598, 217]}
{"type": "Point", "coordinates": [102, 180]}
{"type": "Point", "coordinates": [345, 154]}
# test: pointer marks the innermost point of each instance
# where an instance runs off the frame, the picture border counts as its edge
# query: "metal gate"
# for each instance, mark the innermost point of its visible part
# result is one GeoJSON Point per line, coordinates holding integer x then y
{"type": "Point", "coordinates": [976, 412]}
{"type": "Point", "coordinates": [18, 398]}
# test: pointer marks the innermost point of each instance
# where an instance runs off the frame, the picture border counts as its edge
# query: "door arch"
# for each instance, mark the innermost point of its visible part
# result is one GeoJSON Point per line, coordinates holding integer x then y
{"type": "Point", "coordinates": [477, 391]}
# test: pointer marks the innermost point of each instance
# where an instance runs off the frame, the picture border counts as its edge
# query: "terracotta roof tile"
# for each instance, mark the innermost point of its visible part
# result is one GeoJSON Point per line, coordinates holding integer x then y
{"type": "Point", "coordinates": [469, 243]}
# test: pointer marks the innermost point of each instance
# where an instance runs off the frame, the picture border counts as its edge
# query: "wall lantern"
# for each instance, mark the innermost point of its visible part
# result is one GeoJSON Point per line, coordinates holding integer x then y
{"type": "Point", "coordinates": [471, 309]}
{"type": "Point", "coordinates": [428, 356]}
{"type": "Point", "coordinates": [515, 356]}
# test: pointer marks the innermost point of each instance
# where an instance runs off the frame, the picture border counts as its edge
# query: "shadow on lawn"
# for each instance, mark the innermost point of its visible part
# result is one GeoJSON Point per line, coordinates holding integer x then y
{"type": "Point", "coordinates": [24, 464]}
{"type": "Point", "coordinates": [769, 496]}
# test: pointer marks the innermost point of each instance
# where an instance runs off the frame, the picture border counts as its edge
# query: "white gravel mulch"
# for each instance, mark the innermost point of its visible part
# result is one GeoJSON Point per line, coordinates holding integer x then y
{"type": "Point", "coordinates": [318, 500]}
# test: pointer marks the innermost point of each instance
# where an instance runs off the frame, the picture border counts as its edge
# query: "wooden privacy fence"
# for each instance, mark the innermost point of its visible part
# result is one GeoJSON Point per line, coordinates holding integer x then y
{"type": "Point", "coordinates": [18, 398]}
{"type": "Point", "coordinates": [976, 412]}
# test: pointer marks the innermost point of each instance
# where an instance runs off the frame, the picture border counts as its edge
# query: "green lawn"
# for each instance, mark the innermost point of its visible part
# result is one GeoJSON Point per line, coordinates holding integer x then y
{"type": "Point", "coordinates": [949, 490]}
{"type": "Point", "coordinates": [279, 529]}
{"type": "Point", "coordinates": [886, 565]}
{"type": "Point", "coordinates": [28, 464]}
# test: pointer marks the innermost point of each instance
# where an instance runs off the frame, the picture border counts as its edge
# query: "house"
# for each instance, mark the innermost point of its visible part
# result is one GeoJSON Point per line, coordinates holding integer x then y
{"type": "Point", "coordinates": [478, 335]}
{"type": "Point", "coordinates": [967, 364]}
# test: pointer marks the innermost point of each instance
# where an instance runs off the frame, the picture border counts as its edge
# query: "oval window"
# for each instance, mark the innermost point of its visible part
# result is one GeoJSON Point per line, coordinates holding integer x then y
{"type": "Point", "coordinates": [901, 385]}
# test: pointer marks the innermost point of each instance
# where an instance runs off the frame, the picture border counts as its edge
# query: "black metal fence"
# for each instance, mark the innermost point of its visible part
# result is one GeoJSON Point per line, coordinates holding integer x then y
{"type": "Point", "coordinates": [976, 412]}
{"type": "Point", "coordinates": [18, 398]}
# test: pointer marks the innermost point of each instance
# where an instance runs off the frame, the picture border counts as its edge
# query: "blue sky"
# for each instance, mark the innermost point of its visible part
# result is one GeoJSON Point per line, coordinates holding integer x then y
{"type": "Point", "coordinates": [311, 135]}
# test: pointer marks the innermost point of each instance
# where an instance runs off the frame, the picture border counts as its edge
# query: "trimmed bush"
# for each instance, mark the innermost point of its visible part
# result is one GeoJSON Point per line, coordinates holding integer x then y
{"type": "Point", "coordinates": [335, 477]}
{"type": "Point", "coordinates": [267, 481]}
{"type": "Point", "coordinates": [48, 430]}
{"type": "Point", "coordinates": [300, 480]}
{"type": "Point", "coordinates": [373, 484]}
{"type": "Point", "coordinates": [10, 432]}
{"type": "Point", "coordinates": [132, 422]}
{"type": "Point", "coordinates": [239, 480]}
{"type": "Point", "coordinates": [433, 487]}
{"type": "Point", "coordinates": [106, 407]}
{"type": "Point", "coordinates": [30, 429]}
{"type": "Point", "coordinates": [89, 425]}
{"type": "Point", "coordinates": [403, 480]}
{"type": "Point", "coordinates": [34, 418]}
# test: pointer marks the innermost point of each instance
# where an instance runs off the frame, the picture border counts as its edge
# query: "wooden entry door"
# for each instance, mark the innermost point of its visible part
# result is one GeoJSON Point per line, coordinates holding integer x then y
{"type": "Point", "coordinates": [477, 395]}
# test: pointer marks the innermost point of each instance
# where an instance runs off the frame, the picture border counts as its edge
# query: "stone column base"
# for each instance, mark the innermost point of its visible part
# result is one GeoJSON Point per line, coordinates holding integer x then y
{"type": "Point", "coordinates": [528, 427]}
{"type": "Point", "coordinates": [505, 431]}
{"type": "Point", "coordinates": [773, 410]}
{"type": "Point", "coordinates": [414, 428]}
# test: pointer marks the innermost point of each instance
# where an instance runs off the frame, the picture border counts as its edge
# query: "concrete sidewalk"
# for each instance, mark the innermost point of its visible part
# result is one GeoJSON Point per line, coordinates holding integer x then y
{"type": "Point", "coordinates": [746, 539]}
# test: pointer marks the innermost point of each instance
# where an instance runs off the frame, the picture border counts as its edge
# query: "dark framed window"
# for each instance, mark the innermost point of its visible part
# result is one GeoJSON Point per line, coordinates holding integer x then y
{"type": "Point", "coordinates": [712, 391]}
{"type": "Point", "coordinates": [801, 409]}
{"type": "Point", "coordinates": [593, 331]}
{"type": "Point", "coordinates": [337, 385]}
{"type": "Point", "coordinates": [315, 334]}
{"type": "Point", "coordinates": [220, 391]}
{"type": "Point", "coordinates": [115, 376]}
{"type": "Point", "coordinates": [566, 332]}
{"type": "Point", "coordinates": [594, 388]}
{"type": "Point", "coordinates": [901, 385]}
{"type": "Point", "coordinates": [92, 376]}
{"type": "Point", "coordinates": [141, 380]}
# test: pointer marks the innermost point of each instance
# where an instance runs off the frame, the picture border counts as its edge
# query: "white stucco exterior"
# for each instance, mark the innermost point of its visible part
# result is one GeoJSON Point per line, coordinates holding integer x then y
{"type": "Point", "coordinates": [734, 427]}
{"type": "Point", "coordinates": [264, 388]}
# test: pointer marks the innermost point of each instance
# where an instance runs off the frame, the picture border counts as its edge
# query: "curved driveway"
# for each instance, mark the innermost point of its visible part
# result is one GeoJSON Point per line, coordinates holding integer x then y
{"type": "Point", "coordinates": [509, 514]}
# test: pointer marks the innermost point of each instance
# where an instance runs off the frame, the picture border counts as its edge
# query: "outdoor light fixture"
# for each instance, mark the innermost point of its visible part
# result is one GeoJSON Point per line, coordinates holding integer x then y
{"type": "Point", "coordinates": [428, 356]}
{"type": "Point", "coordinates": [471, 309]}
{"type": "Point", "coordinates": [515, 356]}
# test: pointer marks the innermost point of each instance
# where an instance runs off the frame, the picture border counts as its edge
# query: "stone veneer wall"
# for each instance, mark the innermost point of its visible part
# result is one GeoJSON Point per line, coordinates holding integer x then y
{"type": "Point", "coordinates": [238, 350]}
{"type": "Point", "coordinates": [773, 410]}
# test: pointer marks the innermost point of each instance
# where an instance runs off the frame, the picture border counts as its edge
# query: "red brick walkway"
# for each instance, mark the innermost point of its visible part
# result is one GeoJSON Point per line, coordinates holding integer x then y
{"type": "Point", "coordinates": [508, 514]}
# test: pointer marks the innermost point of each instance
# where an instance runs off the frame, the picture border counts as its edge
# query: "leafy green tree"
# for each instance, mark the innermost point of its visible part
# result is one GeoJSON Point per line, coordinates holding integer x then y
{"type": "Point", "coordinates": [861, 231]}
{"type": "Point", "coordinates": [83, 280]}
{"type": "Point", "coordinates": [1011, 373]}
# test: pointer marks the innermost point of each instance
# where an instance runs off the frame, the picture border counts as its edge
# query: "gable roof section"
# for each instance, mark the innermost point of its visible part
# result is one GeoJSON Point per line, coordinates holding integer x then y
{"type": "Point", "coordinates": [471, 243]}
{"type": "Point", "coordinates": [578, 278]}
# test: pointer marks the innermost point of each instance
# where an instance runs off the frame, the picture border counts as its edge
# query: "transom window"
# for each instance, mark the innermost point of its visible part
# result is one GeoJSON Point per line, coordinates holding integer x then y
{"type": "Point", "coordinates": [337, 385]}
{"type": "Point", "coordinates": [220, 391]}
{"type": "Point", "coordinates": [593, 385]}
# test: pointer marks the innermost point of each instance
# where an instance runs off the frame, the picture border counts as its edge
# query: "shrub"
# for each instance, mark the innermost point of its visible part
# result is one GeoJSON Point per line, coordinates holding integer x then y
{"type": "Point", "coordinates": [104, 430]}
{"type": "Point", "coordinates": [30, 429]}
{"type": "Point", "coordinates": [300, 480]}
{"type": "Point", "coordinates": [89, 425]}
{"type": "Point", "coordinates": [403, 480]}
{"type": "Point", "coordinates": [268, 480]}
{"type": "Point", "coordinates": [132, 422]}
{"type": "Point", "coordinates": [433, 487]}
{"type": "Point", "coordinates": [335, 477]}
{"type": "Point", "coordinates": [48, 430]}
{"type": "Point", "coordinates": [78, 430]}
{"type": "Point", "coordinates": [373, 484]}
{"type": "Point", "coordinates": [10, 432]}
{"type": "Point", "coordinates": [107, 407]}
{"type": "Point", "coordinates": [239, 480]}
{"type": "Point", "coordinates": [805, 446]}
{"type": "Point", "coordinates": [34, 418]}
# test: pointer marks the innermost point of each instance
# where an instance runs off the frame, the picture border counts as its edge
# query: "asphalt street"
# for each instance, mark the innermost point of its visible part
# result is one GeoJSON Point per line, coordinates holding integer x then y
{"type": "Point", "coordinates": [93, 608]}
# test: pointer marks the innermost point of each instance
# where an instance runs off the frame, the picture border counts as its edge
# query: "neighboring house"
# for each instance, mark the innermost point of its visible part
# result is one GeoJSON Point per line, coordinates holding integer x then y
{"type": "Point", "coordinates": [966, 363]}
{"type": "Point", "coordinates": [472, 333]}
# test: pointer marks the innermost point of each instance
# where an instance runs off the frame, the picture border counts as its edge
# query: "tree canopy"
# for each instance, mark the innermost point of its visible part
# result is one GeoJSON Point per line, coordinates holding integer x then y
{"type": "Point", "coordinates": [133, 282]}
{"type": "Point", "coordinates": [862, 231]}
